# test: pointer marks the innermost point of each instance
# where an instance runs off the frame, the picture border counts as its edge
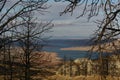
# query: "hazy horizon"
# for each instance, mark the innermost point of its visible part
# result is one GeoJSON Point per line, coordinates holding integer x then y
{"type": "Point", "coordinates": [70, 37]}
{"type": "Point", "coordinates": [67, 26]}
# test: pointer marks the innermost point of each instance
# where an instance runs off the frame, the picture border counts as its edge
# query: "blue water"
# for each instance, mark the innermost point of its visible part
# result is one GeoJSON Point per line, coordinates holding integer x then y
{"type": "Point", "coordinates": [56, 45]}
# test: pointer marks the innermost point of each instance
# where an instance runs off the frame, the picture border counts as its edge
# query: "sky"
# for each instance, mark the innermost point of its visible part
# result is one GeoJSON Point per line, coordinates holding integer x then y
{"type": "Point", "coordinates": [67, 26]}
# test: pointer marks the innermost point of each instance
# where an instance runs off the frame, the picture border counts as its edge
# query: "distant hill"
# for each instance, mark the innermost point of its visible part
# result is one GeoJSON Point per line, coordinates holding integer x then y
{"type": "Point", "coordinates": [67, 42]}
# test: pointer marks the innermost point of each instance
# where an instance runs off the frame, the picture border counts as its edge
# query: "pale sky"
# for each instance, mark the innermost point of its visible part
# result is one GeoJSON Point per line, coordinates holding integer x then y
{"type": "Point", "coordinates": [67, 26]}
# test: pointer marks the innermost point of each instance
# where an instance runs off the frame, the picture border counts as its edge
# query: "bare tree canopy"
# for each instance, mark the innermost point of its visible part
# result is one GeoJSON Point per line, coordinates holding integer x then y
{"type": "Point", "coordinates": [19, 23]}
{"type": "Point", "coordinates": [10, 10]}
{"type": "Point", "coordinates": [109, 26]}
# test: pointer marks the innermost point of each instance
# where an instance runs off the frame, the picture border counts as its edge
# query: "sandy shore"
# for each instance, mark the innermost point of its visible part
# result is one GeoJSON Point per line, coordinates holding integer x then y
{"type": "Point", "coordinates": [106, 47]}
{"type": "Point", "coordinates": [84, 48]}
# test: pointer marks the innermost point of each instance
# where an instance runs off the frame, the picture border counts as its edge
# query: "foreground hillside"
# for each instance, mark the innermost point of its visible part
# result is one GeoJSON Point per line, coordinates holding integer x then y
{"type": "Point", "coordinates": [95, 77]}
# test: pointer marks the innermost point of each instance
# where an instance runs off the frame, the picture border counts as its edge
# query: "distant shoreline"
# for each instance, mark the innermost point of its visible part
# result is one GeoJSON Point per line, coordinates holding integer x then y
{"type": "Point", "coordinates": [83, 48]}
{"type": "Point", "coordinates": [105, 47]}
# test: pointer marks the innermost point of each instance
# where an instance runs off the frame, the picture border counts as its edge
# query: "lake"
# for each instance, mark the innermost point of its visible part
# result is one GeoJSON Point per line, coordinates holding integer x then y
{"type": "Point", "coordinates": [54, 45]}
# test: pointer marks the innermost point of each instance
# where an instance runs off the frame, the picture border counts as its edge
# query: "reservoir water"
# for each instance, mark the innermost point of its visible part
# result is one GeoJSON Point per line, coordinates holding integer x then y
{"type": "Point", "coordinates": [55, 45]}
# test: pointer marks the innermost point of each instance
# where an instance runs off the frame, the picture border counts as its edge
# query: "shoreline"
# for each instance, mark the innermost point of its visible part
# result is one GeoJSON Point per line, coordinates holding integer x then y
{"type": "Point", "coordinates": [85, 48]}
{"type": "Point", "coordinates": [106, 47]}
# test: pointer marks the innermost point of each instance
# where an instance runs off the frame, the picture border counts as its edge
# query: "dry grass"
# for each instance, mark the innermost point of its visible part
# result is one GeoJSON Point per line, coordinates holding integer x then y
{"type": "Point", "coordinates": [95, 77]}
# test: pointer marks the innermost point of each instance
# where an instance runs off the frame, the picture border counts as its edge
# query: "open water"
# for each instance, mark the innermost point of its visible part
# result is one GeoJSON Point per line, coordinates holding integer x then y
{"type": "Point", "coordinates": [54, 45]}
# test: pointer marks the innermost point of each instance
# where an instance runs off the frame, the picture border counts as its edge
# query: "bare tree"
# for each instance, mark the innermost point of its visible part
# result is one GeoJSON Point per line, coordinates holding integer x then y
{"type": "Point", "coordinates": [31, 34]}
{"type": "Point", "coordinates": [13, 19]}
{"type": "Point", "coordinates": [12, 10]}
{"type": "Point", "coordinates": [108, 28]}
